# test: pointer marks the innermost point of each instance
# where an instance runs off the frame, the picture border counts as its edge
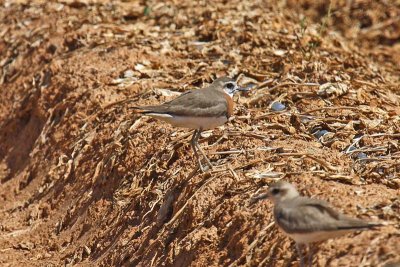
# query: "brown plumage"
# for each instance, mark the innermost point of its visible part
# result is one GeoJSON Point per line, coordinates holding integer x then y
{"type": "Point", "coordinates": [302, 215]}
{"type": "Point", "coordinates": [308, 220]}
{"type": "Point", "coordinates": [207, 102]}
{"type": "Point", "coordinates": [197, 109]}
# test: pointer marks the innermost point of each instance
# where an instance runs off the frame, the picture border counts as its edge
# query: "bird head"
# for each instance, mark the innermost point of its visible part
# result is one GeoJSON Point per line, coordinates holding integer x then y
{"type": "Point", "coordinates": [227, 85]}
{"type": "Point", "coordinates": [279, 191]}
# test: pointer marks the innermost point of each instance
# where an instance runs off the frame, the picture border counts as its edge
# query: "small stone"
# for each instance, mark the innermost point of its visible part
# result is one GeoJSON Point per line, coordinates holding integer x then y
{"type": "Point", "coordinates": [279, 52]}
{"type": "Point", "coordinates": [25, 246]}
{"type": "Point", "coordinates": [278, 106]}
{"type": "Point", "coordinates": [318, 134]}
{"type": "Point", "coordinates": [250, 86]}
{"type": "Point", "coordinates": [129, 74]}
{"type": "Point", "coordinates": [351, 148]}
{"type": "Point", "coordinates": [362, 155]}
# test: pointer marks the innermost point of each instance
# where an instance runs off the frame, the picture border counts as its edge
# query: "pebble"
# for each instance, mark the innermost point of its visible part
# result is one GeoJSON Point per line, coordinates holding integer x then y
{"type": "Point", "coordinates": [250, 86]}
{"type": "Point", "coordinates": [129, 74]}
{"type": "Point", "coordinates": [278, 106]}
{"type": "Point", "coordinates": [318, 134]}
{"type": "Point", "coordinates": [351, 149]}
{"type": "Point", "coordinates": [362, 155]}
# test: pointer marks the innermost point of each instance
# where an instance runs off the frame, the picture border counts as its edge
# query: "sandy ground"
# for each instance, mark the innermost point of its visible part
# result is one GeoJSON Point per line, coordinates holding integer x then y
{"type": "Point", "coordinates": [85, 182]}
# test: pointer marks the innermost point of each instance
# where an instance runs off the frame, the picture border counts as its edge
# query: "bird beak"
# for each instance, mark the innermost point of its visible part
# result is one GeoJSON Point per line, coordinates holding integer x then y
{"type": "Point", "coordinates": [259, 197]}
{"type": "Point", "coordinates": [242, 89]}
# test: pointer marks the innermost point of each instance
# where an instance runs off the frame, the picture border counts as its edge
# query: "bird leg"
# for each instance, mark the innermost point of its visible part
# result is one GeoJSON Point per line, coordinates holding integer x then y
{"type": "Point", "coordinates": [311, 251]}
{"type": "Point", "coordinates": [193, 144]}
{"type": "Point", "coordinates": [298, 248]}
{"type": "Point", "coordinates": [201, 150]}
{"type": "Point", "coordinates": [196, 147]}
{"type": "Point", "coordinates": [310, 255]}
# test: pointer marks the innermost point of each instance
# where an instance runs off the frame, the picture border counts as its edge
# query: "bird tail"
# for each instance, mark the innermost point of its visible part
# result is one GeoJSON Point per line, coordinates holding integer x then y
{"type": "Point", "coordinates": [156, 111]}
{"type": "Point", "coordinates": [143, 110]}
{"type": "Point", "coordinates": [378, 224]}
{"type": "Point", "coordinates": [362, 225]}
{"type": "Point", "coordinates": [139, 110]}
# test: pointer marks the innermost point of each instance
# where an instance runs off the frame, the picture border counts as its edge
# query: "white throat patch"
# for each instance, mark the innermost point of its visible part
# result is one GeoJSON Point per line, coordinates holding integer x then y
{"type": "Point", "coordinates": [229, 92]}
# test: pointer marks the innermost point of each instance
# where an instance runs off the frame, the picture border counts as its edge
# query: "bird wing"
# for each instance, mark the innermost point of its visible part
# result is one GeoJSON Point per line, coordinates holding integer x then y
{"type": "Point", "coordinates": [196, 103]}
{"type": "Point", "coordinates": [302, 215]}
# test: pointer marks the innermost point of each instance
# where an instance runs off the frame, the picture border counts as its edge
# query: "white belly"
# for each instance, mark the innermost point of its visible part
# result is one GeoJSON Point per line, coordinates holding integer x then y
{"type": "Point", "coordinates": [191, 122]}
{"type": "Point", "coordinates": [317, 236]}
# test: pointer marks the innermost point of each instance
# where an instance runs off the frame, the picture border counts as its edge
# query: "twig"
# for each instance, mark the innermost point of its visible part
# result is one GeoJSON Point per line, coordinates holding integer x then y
{"type": "Point", "coordinates": [357, 140]}
{"type": "Point", "coordinates": [365, 83]}
{"type": "Point", "coordinates": [338, 177]}
{"type": "Point", "coordinates": [334, 107]}
{"type": "Point", "coordinates": [265, 115]}
{"type": "Point", "coordinates": [259, 236]}
{"type": "Point", "coordinates": [227, 152]}
{"type": "Point", "coordinates": [260, 94]}
{"type": "Point", "coordinates": [219, 140]}
{"type": "Point", "coordinates": [241, 151]}
{"type": "Point", "coordinates": [379, 159]}
{"type": "Point", "coordinates": [186, 203]}
{"type": "Point", "coordinates": [248, 164]}
{"type": "Point", "coordinates": [234, 174]}
{"type": "Point", "coordinates": [383, 24]}
{"type": "Point", "coordinates": [325, 164]}
{"type": "Point", "coordinates": [371, 247]}
{"type": "Point", "coordinates": [368, 149]}
{"type": "Point", "coordinates": [264, 84]}
{"type": "Point", "coordinates": [249, 134]}
{"type": "Point", "coordinates": [131, 99]}
{"type": "Point", "coordinates": [270, 254]}
{"type": "Point", "coordinates": [384, 134]}
{"type": "Point", "coordinates": [321, 162]}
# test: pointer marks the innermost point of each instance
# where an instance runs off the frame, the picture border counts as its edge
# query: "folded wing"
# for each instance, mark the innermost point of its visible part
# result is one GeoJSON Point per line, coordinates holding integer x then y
{"type": "Point", "coordinates": [196, 103]}
{"type": "Point", "coordinates": [310, 215]}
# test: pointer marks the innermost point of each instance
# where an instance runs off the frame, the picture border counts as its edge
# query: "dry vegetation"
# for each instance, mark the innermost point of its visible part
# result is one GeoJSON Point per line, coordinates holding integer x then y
{"type": "Point", "coordinates": [85, 182]}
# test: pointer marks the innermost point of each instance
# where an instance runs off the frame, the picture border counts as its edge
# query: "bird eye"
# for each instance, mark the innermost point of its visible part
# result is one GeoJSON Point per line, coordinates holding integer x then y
{"type": "Point", "coordinates": [230, 86]}
{"type": "Point", "coordinates": [275, 191]}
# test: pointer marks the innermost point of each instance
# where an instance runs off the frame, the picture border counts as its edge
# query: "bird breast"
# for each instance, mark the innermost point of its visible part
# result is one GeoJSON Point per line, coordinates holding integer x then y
{"type": "Point", "coordinates": [190, 121]}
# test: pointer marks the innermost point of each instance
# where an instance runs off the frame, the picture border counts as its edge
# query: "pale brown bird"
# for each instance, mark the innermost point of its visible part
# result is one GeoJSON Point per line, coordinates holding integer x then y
{"type": "Point", "coordinates": [198, 109]}
{"type": "Point", "coordinates": [307, 220]}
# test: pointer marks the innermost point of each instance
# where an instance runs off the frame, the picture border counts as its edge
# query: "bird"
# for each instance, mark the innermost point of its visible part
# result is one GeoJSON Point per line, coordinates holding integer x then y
{"type": "Point", "coordinates": [200, 110]}
{"type": "Point", "coordinates": [308, 220]}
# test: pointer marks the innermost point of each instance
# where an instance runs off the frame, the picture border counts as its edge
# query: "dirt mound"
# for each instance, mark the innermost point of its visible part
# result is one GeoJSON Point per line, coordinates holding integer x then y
{"type": "Point", "coordinates": [84, 181]}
